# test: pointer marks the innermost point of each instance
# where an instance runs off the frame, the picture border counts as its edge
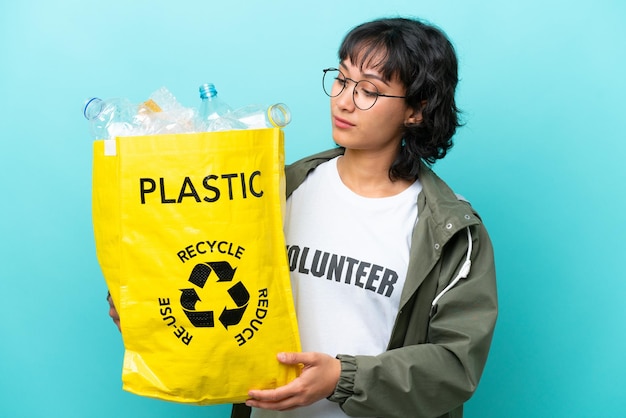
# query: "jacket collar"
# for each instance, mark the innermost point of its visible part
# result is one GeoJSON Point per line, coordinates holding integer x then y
{"type": "Point", "coordinates": [297, 172]}
{"type": "Point", "coordinates": [448, 211]}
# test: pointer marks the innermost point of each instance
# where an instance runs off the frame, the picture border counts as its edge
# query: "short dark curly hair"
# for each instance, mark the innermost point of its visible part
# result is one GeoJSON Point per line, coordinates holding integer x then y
{"type": "Point", "coordinates": [424, 60]}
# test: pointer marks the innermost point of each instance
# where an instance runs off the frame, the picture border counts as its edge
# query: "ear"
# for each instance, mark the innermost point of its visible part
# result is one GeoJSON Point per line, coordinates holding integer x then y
{"type": "Point", "coordinates": [414, 116]}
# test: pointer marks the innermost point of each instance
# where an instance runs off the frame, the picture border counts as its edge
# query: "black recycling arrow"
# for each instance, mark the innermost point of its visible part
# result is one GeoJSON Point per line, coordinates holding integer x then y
{"type": "Point", "coordinates": [230, 317]}
{"type": "Point", "coordinates": [200, 274]}
{"type": "Point", "coordinates": [223, 270]}
{"type": "Point", "coordinates": [188, 298]}
{"type": "Point", "coordinates": [200, 318]}
{"type": "Point", "coordinates": [240, 296]}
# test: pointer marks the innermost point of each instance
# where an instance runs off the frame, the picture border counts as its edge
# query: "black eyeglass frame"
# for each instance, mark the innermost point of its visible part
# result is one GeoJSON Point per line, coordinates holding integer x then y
{"type": "Point", "coordinates": [356, 83]}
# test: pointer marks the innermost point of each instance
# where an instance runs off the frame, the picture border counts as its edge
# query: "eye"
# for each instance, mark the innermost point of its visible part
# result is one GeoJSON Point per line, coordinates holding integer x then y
{"type": "Point", "coordinates": [367, 90]}
{"type": "Point", "coordinates": [340, 80]}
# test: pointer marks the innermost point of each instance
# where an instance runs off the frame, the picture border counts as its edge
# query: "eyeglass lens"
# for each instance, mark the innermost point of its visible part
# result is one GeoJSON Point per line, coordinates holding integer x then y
{"type": "Point", "coordinates": [364, 95]}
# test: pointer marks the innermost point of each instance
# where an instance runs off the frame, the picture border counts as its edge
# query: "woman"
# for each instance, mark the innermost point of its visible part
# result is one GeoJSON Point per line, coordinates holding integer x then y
{"type": "Point", "coordinates": [393, 275]}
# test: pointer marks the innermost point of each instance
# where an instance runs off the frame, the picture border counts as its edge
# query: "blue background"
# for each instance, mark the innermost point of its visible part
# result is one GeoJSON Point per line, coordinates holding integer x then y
{"type": "Point", "coordinates": [541, 157]}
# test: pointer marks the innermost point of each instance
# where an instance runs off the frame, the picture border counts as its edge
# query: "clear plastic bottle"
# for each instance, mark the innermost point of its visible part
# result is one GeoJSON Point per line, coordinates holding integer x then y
{"type": "Point", "coordinates": [212, 106]}
{"type": "Point", "coordinates": [214, 113]}
{"type": "Point", "coordinates": [110, 118]}
{"type": "Point", "coordinates": [277, 115]}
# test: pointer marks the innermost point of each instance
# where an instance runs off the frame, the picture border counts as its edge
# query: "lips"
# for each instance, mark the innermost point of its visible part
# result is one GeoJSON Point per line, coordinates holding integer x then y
{"type": "Point", "coordinates": [342, 123]}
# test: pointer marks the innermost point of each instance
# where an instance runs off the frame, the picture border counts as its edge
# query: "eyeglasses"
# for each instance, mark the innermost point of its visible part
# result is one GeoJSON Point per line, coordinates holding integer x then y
{"type": "Point", "coordinates": [364, 94]}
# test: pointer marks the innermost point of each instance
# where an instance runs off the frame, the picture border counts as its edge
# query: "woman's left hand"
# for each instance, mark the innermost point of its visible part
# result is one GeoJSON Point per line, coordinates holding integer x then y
{"type": "Point", "coordinates": [320, 374]}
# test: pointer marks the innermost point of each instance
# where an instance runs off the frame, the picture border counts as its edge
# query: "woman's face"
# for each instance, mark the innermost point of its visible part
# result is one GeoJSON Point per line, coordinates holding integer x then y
{"type": "Point", "coordinates": [379, 128]}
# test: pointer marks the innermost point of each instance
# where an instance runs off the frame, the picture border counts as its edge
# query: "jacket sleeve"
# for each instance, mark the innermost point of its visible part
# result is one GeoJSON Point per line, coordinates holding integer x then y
{"type": "Point", "coordinates": [430, 378]}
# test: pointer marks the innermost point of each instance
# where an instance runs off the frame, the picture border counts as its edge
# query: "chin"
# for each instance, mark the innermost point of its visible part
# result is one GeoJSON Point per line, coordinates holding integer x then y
{"type": "Point", "coordinates": [343, 139]}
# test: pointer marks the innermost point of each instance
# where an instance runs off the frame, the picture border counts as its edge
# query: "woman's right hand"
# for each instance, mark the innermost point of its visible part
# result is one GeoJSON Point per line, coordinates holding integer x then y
{"type": "Point", "coordinates": [113, 312]}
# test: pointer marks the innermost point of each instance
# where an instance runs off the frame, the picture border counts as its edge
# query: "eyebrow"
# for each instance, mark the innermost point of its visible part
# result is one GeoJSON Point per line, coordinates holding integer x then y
{"type": "Point", "coordinates": [366, 75]}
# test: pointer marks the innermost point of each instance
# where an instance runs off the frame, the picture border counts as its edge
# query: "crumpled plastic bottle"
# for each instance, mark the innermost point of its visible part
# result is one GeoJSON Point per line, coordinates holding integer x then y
{"type": "Point", "coordinates": [111, 117]}
{"type": "Point", "coordinates": [277, 115]}
{"type": "Point", "coordinates": [160, 114]}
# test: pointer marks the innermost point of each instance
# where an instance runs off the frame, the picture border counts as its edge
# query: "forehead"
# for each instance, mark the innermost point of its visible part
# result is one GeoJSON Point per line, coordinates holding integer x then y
{"type": "Point", "coordinates": [371, 58]}
{"type": "Point", "coordinates": [371, 72]}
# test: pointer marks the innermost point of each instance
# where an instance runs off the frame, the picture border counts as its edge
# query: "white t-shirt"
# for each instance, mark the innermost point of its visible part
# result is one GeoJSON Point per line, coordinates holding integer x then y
{"type": "Point", "coordinates": [348, 257]}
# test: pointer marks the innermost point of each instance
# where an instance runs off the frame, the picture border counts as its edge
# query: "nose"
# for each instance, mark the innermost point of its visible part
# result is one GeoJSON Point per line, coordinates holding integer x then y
{"type": "Point", "coordinates": [345, 99]}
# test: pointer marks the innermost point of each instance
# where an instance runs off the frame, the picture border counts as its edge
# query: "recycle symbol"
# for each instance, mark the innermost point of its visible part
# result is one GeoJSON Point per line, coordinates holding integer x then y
{"type": "Point", "coordinates": [199, 277]}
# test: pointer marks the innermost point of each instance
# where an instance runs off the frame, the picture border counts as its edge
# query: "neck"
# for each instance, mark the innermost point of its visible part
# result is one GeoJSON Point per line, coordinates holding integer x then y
{"type": "Point", "coordinates": [367, 174]}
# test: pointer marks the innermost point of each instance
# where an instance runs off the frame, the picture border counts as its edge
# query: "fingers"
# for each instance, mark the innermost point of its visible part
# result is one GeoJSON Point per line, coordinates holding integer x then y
{"type": "Point", "coordinates": [296, 358]}
{"type": "Point", "coordinates": [285, 405]}
{"type": "Point", "coordinates": [320, 373]}
{"type": "Point", "coordinates": [113, 313]}
{"type": "Point", "coordinates": [281, 399]}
